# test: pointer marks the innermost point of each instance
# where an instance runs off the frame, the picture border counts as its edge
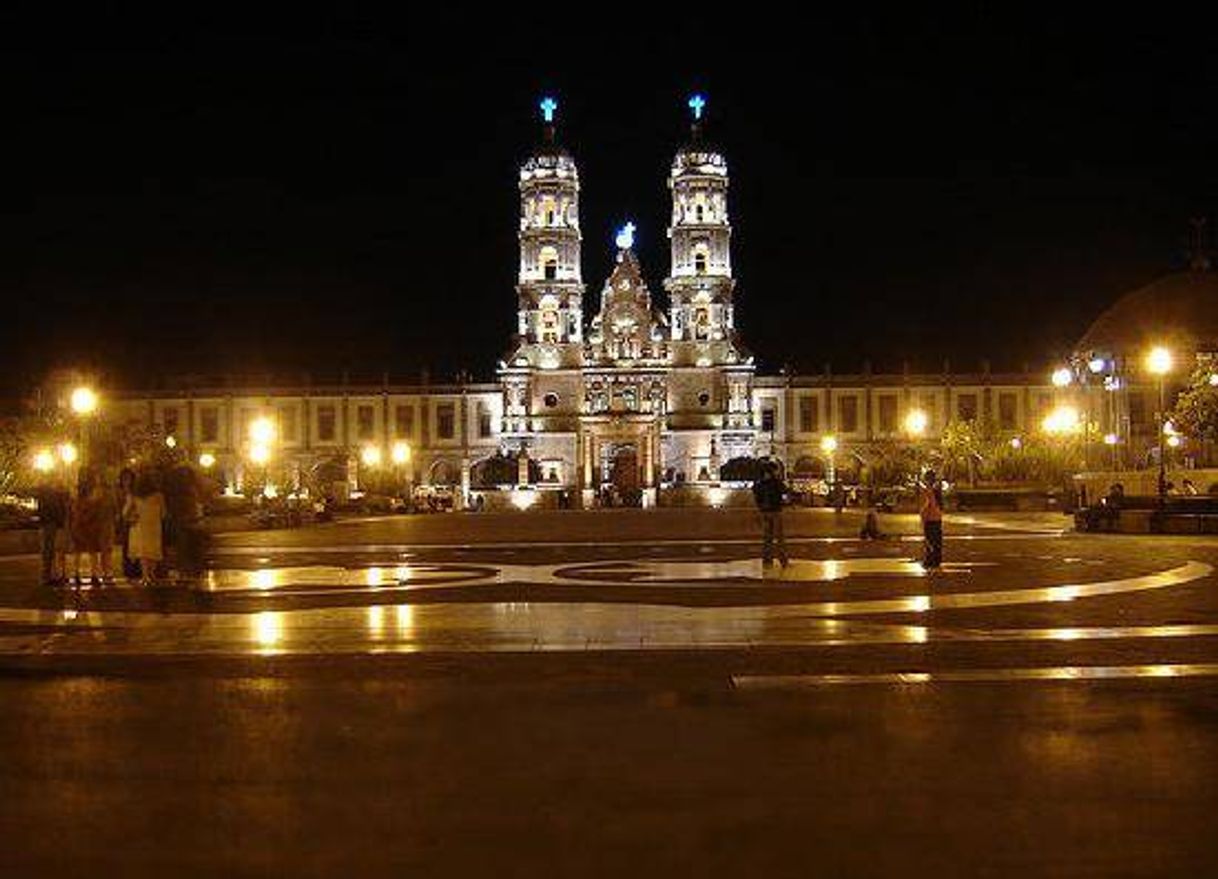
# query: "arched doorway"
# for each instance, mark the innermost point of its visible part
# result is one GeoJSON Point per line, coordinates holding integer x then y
{"type": "Point", "coordinates": [623, 486]}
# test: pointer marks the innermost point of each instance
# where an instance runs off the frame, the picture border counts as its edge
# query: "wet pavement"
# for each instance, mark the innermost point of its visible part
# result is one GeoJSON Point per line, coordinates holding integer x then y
{"type": "Point", "coordinates": [459, 695]}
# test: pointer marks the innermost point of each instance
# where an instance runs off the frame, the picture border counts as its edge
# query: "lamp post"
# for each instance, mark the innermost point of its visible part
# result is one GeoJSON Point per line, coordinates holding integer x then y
{"type": "Point", "coordinates": [828, 445]}
{"type": "Point", "coordinates": [916, 421]}
{"type": "Point", "coordinates": [400, 454]}
{"type": "Point", "coordinates": [83, 403]}
{"type": "Point", "coordinates": [1159, 363]}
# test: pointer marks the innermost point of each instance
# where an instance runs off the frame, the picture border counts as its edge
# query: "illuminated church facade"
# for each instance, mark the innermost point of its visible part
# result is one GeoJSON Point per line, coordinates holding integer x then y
{"type": "Point", "coordinates": [619, 397]}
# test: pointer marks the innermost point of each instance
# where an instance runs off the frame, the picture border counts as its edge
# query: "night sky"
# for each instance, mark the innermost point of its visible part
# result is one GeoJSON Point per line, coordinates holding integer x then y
{"type": "Point", "coordinates": [229, 196]}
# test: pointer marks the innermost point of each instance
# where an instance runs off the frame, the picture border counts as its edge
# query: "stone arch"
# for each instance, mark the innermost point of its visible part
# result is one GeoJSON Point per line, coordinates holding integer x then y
{"type": "Point", "coordinates": [444, 471]}
{"type": "Point", "coordinates": [808, 467]}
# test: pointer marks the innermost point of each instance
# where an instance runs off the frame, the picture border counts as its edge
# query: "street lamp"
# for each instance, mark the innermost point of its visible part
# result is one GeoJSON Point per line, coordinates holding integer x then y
{"type": "Point", "coordinates": [83, 401]}
{"type": "Point", "coordinates": [828, 445]}
{"type": "Point", "coordinates": [207, 460]}
{"type": "Point", "coordinates": [44, 461]}
{"type": "Point", "coordinates": [1061, 377]}
{"type": "Point", "coordinates": [1159, 363]}
{"type": "Point", "coordinates": [371, 456]}
{"type": "Point", "coordinates": [916, 422]}
{"type": "Point", "coordinates": [68, 453]}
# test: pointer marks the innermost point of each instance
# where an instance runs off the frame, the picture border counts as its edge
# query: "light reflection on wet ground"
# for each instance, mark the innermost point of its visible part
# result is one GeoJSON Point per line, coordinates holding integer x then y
{"type": "Point", "coordinates": [558, 626]}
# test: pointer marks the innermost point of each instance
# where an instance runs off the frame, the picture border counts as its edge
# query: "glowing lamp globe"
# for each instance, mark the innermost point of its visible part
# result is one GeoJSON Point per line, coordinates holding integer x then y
{"type": "Point", "coordinates": [83, 401]}
{"type": "Point", "coordinates": [915, 422]}
{"type": "Point", "coordinates": [828, 444]}
{"type": "Point", "coordinates": [1159, 361]}
{"type": "Point", "coordinates": [1061, 377]}
{"type": "Point", "coordinates": [207, 460]}
{"type": "Point", "coordinates": [400, 453]}
{"type": "Point", "coordinates": [371, 456]}
{"type": "Point", "coordinates": [44, 461]}
{"type": "Point", "coordinates": [68, 453]}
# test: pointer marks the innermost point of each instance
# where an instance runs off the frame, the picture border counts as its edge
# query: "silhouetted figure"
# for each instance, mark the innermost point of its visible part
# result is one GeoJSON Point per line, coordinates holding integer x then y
{"type": "Point", "coordinates": [767, 493]}
{"type": "Point", "coordinates": [932, 521]}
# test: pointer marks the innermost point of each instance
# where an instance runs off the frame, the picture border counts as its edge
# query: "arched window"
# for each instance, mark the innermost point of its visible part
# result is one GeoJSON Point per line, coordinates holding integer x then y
{"type": "Point", "coordinates": [701, 258]}
{"type": "Point", "coordinates": [549, 211]}
{"type": "Point", "coordinates": [548, 259]}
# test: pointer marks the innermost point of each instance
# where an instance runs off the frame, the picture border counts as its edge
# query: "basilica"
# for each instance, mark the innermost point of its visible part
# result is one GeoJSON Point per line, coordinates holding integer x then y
{"type": "Point", "coordinates": [625, 397]}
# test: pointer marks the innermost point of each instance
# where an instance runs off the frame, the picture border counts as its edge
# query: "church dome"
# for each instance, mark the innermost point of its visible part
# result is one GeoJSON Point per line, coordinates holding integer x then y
{"type": "Point", "coordinates": [1179, 310]}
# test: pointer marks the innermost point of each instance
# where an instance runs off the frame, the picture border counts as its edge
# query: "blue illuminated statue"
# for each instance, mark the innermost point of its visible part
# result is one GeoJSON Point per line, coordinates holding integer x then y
{"type": "Point", "coordinates": [548, 106]}
{"type": "Point", "coordinates": [625, 237]}
{"type": "Point", "coordinates": [696, 103]}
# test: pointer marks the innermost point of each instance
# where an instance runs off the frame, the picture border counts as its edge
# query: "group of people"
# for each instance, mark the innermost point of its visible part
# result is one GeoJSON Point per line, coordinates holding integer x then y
{"type": "Point", "coordinates": [82, 526]}
{"type": "Point", "coordinates": [769, 491]}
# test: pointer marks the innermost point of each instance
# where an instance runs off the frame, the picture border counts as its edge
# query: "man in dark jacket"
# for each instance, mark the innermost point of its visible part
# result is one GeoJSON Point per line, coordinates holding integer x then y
{"type": "Point", "coordinates": [768, 492]}
{"type": "Point", "coordinates": [53, 510]}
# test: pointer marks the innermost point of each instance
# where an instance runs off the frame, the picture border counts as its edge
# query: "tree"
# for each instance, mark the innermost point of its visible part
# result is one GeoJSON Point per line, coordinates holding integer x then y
{"type": "Point", "coordinates": [1195, 413]}
{"type": "Point", "coordinates": [964, 444]}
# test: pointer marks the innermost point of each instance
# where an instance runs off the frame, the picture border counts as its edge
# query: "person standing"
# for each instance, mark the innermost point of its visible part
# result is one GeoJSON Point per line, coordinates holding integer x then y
{"type": "Point", "coordinates": [126, 487]}
{"type": "Point", "coordinates": [767, 493]}
{"type": "Point", "coordinates": [145, 512]}
{"type": "Point", "coordinates": [932, 521]}
{"type": "Point", "coordinates": [53, 526]}
{"type": "Point", "coordinates": [88, 527]}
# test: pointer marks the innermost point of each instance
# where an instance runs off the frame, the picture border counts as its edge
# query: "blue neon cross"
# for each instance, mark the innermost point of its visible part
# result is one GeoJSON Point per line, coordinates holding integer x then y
{"type": "Point", "coordinates": [696, 103]}
{"type": "Point", "coordinates": [548, 106]}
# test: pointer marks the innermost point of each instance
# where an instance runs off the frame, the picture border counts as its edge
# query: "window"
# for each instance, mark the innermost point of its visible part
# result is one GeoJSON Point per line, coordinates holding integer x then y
{"type": "Point", "coordinates": [169, 419]}
{"type": "Point", "coordinates": [287, 424]}
{"type": "Point", "coordinates": [549, 263]}
{"type": "Point", "coordinates": [1008, 411]}
{"type": "Point", "coordinates": [484, 421]}
{"type": "Point", "coordinates": [365, 422]}
{"type": "Point", "coordinates": [403, 421]}
{"type": "Point", "coordinates": [325, 424]}
{"type": "Point", "coordinates": [848, 410]}
{"type": "Point", "coordinates": [550, 399]}
{"type": "Point", "coordinates": [1137, 410]}
{"type": "Point", "coordinates": [704, 398]}
{"type": "Point", "coordinates": [768, 417]}
{"type": "Point", "coordinates": [966, 407]}
{"type": "Point", "coordinates": [209, 424]}
{"type": "Point", "coordinates": [888, 414]}
{"type": "Point", "coordinates": [445, 420]}
{"type": "Point", "coordinates": [809, 415]}
{"type": "Point", "coordinates": [930, 405]}
{"type": "Point", "coordinates": [630, 399]}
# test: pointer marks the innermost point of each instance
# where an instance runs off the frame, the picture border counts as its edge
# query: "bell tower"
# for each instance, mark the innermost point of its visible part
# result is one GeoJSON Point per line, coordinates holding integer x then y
{"type": "Point", "coordinates": [549, 286]}
{"type": "Point", "coordinates": [700, 279]}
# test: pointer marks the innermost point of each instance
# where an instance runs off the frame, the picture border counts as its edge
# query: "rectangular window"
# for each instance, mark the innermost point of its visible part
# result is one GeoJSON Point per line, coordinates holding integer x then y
{"type": "Point", "coordinates": [403, 421]}
{"type": "Point", "coordinates": [809, 415]}
{"type": "Point", "coordinates": [1043, 404]}
{"type": "Point", "coordinates": [169, 420]}
{"type": "Point", "coordinates": [888, 414]}
{"type": "Point", "coordinates": [1008, 411]}
{"type": "Point", "coordinates": [930, 405]}
{"type": "Point", "coordinates": [848, 414]}
{"type": "Point", "coordinates": [209, 424]}
{"type": "Point", "coordinates": [325, 423]}
{"type": "Point", "coordinates": [1137, 410]}
{"type": "Point", "coordinates": [484, 421]}
{"type": "Point", "coordinates": [246, 419]}
{"type": "Point", "coordinates": [287, 424]}
{"type": "Point", "coordinates": [768, 417]}
{"type": "Point", "coordinates": [365, 422]}
{"type": "Point", "coordinates": [966, 407]}
{"type": "Point", "coordinates": [445, 420]}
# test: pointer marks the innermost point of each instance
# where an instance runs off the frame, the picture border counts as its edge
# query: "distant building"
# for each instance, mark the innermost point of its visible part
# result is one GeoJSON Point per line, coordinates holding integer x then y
{"type": "Point", "coordinates": [643, 403]}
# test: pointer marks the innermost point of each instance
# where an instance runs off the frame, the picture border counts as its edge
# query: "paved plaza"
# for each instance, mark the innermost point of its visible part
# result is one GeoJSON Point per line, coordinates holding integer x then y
{"type": "Point", "coordinates": [602, 692]}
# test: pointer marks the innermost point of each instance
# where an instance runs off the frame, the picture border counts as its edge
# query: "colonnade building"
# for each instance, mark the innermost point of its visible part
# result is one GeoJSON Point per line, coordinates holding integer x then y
{"type": "Point", "coordinates": [620, 392]}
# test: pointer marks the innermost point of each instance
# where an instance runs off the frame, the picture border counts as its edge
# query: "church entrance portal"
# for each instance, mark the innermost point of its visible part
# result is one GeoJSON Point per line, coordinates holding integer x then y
{"type": "Point", "coordinates": [622, 485]}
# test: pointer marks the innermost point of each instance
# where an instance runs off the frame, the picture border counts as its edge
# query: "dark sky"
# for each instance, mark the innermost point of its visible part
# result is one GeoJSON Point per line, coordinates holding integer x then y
{"type": "Point", "coordinates": [235, 196]}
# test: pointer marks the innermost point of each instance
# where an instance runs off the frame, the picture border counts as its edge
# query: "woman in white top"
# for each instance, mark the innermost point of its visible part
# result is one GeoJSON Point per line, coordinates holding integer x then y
{"type": "Point", "coordinates": [145, 512]}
